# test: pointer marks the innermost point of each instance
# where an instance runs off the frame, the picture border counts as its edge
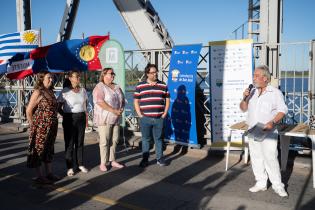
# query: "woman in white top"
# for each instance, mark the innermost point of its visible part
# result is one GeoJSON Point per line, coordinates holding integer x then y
{"type": "Point", "coordinates": [109, 103]}
{"type": "Point", "coordinates": [72, 106]}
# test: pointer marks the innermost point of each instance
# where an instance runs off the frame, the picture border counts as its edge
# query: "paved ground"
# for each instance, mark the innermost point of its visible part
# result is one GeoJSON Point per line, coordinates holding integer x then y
{"type": "Point", "coordinates": [191, 181]}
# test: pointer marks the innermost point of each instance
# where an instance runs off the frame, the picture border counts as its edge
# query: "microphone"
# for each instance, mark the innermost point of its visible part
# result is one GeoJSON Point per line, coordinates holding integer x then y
{"type": "Point", "coordinates": [250, 87]}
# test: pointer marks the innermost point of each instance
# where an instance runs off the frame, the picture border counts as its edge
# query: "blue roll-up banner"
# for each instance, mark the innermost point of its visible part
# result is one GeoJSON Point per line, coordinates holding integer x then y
{"type": "Point", "coordinates": [181, 120]}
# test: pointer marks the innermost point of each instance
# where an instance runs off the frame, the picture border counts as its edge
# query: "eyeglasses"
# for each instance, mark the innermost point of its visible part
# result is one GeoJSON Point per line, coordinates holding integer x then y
{"type": "Point", "coordinates": [153, 72]}
{"type": "Point", "coordinates": [112, 73]}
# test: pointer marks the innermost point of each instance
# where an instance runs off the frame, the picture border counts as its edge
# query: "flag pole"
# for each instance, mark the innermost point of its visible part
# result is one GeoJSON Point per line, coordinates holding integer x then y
{"type": "Point", "coordinates": [87, 113]}
{"type": "Point", "coordinates": [40, 37]}
{"type": "Point", "coordinates": [85, 76]}
{"type": "Point", "coordinates": [23, 99]}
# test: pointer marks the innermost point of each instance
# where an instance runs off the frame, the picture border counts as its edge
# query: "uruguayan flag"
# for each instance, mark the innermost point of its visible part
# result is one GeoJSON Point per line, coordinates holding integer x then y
{"type": "Point", "coordinates": [19, 42]}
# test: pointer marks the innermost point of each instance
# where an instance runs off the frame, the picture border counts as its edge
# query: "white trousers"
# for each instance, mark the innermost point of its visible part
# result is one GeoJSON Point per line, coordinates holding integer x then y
{"type": "Point", "coordinates": [264, 159]}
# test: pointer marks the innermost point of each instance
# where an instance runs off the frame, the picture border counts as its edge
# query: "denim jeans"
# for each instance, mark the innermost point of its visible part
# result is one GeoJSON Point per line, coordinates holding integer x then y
{"type": "Point", "coordinates": [151, 128]}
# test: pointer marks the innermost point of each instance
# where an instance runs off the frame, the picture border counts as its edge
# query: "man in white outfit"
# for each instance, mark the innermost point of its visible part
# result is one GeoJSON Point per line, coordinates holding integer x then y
{"type": "Point", "coordinates": [265, 104]}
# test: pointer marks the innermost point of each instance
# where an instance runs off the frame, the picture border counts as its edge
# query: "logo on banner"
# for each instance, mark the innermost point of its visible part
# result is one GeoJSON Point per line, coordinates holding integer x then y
{"type": "Point", "coordinates": [111, 55]}
{"type": "Point", "coordinates": [87, 53]}
{"type": "Point", "coordinates": [20, 66]}
{"type": "Point", "coordinates": [29, 37]}
{"type": "Point", "coordinates": [175, 74]}
{"type": "Point", "coordinates": [193, 52]}
{"type": "Point", "coordinates": [219, 82]}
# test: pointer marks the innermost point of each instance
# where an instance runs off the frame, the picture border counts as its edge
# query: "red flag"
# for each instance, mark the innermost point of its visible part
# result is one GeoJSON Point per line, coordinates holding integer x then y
{"type": "Point", "coordinates": [76, 54]}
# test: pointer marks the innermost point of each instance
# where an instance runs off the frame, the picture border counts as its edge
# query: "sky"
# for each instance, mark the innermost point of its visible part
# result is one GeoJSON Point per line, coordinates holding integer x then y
{"type": "Point", "coordinates": [187, 21]}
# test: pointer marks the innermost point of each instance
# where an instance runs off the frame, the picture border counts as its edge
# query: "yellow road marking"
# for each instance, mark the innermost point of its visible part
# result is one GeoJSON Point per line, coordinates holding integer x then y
{"type": "Point", "coordinates": [98, 198]}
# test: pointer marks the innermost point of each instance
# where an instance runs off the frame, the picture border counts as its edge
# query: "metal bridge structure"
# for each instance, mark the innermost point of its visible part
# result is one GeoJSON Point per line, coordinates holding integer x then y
{"type": "Point", "coordinates": [292, 64]}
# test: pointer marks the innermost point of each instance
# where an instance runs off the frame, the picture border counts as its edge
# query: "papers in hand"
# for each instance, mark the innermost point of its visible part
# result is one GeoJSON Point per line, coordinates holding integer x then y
{"type": "Point", "coordinates": [257, 132]}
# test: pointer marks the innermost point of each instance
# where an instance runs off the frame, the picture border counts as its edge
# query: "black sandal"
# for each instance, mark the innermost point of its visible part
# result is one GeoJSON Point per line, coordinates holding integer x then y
{"type": "Point", "coordinates": [41, 180]}
{"type": "Point", "coordinates": [53, 177]}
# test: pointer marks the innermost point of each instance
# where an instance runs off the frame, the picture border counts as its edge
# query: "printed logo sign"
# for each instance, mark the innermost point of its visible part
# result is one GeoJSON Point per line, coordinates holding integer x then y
{"type": "Point", "coordinates": [181, 120]}
{"type": "Point", "coordinates": [230, 73]}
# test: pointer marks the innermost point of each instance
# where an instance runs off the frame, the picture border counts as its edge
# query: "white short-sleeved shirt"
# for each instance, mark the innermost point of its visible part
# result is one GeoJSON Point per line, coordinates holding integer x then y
{"type": "Point", "coordinates": [265, 107]}
{"type": "Point", "coordinates": [73, 102]}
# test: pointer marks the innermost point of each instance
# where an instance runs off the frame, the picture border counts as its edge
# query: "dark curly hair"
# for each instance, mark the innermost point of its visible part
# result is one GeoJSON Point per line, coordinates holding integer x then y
{"type": "Point", "coordinates": [147, 69]}
{"type": "Point", "coordinates": [67, 82]}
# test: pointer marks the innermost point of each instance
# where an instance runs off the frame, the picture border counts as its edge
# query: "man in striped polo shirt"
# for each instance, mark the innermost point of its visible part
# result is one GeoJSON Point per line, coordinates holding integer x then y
{"type": "Point", "coordinates": [151, 101]}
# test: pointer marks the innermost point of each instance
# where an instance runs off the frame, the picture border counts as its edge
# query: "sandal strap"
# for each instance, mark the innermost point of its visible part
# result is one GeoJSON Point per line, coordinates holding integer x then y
{"type": "Point", "coordinates": [70, 172]}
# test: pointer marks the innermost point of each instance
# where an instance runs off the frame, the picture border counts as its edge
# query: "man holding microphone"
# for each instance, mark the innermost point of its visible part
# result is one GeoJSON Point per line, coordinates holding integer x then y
{"type": "Point", "coordinates": [265, 105]}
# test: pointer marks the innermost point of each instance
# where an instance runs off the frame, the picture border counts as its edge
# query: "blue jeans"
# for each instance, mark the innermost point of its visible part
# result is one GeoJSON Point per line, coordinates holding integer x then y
{"type": "Point", "coordinates": [151, 128]}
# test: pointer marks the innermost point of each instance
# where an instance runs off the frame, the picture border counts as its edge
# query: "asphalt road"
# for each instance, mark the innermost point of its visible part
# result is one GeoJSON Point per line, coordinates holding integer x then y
{"type": "Point", "coordinates": [189, 182]}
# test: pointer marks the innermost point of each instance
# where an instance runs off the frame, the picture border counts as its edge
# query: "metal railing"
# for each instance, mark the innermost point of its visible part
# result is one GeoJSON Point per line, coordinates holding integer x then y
{"type": "Point", "coordinates": [294, 76]}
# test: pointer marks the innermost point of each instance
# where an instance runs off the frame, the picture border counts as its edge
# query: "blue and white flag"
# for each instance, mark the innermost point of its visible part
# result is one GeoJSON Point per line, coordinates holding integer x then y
{"type": "Point", "coordinates": [14, 43]}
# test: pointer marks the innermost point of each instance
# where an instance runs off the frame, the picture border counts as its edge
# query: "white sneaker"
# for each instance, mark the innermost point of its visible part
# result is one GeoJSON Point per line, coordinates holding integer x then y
{"type": "Point", "coordinates": [257, 188]}
{"type": "Point", "coordinates": [83, 169]}
{"type": "Point", "coordinates": [70, 172]}
{"type": "Point", "coordinates": [281, 192]}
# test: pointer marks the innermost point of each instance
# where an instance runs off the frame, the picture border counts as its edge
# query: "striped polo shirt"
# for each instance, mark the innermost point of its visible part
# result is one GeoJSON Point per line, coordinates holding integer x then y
{"type": "Point", "coordinates": [152, 98]}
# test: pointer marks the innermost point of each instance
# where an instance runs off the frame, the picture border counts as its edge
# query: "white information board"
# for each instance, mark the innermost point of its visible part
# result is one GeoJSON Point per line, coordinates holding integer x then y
{"type": "Point", "coordinates": [231, 67]}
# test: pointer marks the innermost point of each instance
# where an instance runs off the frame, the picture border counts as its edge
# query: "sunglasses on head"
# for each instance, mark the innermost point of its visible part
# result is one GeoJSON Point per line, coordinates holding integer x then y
{"type": "Point", "coordinates": [112, 73]}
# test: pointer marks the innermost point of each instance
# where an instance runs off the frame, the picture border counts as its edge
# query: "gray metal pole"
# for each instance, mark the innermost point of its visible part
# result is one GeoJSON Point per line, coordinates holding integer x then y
{"type": "Point", "coordinates": [23, 17]}
{"type": "Point", "coordinates": [270, 31]}
{"type": "Point", "coordinates": [312, 78]}
{"type": "Point", "coordinates": [68, 19]}
{"type": "Point", "coordinates": [250, 18]}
